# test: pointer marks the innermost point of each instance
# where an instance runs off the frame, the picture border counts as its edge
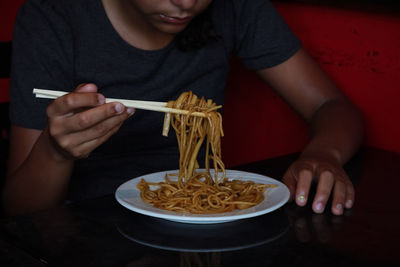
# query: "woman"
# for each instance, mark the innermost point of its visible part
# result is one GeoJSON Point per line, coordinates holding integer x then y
{"type": "Point", "coordinates": [79, 147]}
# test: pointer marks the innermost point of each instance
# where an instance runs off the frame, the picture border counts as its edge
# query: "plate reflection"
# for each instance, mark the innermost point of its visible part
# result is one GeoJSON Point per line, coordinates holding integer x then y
{"type": "Point", "coordinates": [174, 236]}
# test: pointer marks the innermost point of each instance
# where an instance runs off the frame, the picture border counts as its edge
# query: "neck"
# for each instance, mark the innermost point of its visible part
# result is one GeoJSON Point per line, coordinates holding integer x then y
{"type": "Point", "coordinates": [133, 28]}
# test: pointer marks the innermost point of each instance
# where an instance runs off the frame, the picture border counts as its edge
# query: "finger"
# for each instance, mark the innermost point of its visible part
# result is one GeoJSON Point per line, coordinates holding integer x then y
{"type": "Point", "coordinates": [305, 178]}
{"type": "Point", "coordinates": [339, 197]}
{"type": "Point", "coordinates": [103, 127]}
{"type": "Point", "coordinates": [324, 188]}
{"type": "Point", "coordinates": [290, 181]}
{"type": "Point", "coordinates": [85, 96]}
{"type": "Point", "coordinates": [94, 116]}
{"type": "Point", "coordinates": [86, 88]}
{"type": "Point", "coordinates": [84, 149]}
{"type": "Point", "coordinates": [70, 141]}
{"type": "Point", "coordinates": [69, 103]}
{"type": "Point", "coordinates": [350, 196]}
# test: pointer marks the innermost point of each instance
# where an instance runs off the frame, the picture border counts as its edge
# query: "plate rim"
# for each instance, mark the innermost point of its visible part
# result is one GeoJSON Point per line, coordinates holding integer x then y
{"type": "Point", "coordinates": [199, 218]}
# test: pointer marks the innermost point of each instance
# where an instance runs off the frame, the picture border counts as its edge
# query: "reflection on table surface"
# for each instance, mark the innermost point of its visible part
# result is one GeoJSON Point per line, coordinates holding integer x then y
{"type": "Point", "coordinates": [100, 232]}
{"type": "Point", "coordinates": [219, 237]}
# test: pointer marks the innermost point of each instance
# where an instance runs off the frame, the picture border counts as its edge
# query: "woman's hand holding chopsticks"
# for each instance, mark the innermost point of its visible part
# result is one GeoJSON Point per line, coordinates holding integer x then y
{"type": "Point", "coordinates": [80, 121]}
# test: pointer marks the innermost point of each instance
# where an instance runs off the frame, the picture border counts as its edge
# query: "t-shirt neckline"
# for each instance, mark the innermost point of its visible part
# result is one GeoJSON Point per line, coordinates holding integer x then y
{"type": "Point", "coordinates": [110, 28]}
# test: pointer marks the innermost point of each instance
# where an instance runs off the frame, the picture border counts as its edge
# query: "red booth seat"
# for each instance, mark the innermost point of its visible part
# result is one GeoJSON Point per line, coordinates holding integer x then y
{"type": "Point", "coordinates": [8, 12]}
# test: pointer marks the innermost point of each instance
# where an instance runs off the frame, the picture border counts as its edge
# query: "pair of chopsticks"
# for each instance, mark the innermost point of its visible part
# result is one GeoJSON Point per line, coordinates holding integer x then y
{"type": "Point", "coordinates": [137, 104]}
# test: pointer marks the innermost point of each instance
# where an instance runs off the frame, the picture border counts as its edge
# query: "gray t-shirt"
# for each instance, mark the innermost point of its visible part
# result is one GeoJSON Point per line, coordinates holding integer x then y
{"type": "Point", "coordinates": [59, 44]}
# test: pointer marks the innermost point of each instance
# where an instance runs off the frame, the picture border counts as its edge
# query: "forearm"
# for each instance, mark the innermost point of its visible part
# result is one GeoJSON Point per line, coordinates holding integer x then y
{"type": "Point", "coordinates": [336, 131]}
{"type": "Point", "coordinates": [41, 181]}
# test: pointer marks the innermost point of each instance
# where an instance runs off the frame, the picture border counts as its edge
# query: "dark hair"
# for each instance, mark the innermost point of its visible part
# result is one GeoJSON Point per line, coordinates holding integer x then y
{"type": "Point", "coordinates": [198, 33]}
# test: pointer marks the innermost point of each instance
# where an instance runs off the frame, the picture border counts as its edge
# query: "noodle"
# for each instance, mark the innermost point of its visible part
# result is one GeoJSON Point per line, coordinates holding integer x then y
{"type": "Point", "coordinates": [199, 192]}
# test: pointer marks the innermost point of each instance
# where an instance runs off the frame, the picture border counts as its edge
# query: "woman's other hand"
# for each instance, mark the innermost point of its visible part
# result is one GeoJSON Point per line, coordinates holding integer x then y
{"type": "Point", "coordinates": [336, 131]}
{"type": "Point", "coordinates": [330, 177]}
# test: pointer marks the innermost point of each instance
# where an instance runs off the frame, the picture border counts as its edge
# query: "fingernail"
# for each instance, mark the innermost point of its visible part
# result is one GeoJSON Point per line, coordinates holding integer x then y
{"type": "Point", "coordinates": [119, 108]}
{"type": "Point", "coordinates": [349, 203]}
{"type": "Point", "coordinates": [319, 207]}
{"type": "Point", "coordinates": [100, 99]}
{"type": "Point", "coordinates": [301, 199]}
{"type": "Point", "coordinates": [130, 111]}
{"type": "Point", "coordinates": [339, 207]}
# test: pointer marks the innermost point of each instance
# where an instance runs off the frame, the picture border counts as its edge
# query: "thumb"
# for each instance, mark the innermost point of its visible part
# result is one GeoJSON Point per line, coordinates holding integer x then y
{"type": "Point", "coordinates": [290, 181]}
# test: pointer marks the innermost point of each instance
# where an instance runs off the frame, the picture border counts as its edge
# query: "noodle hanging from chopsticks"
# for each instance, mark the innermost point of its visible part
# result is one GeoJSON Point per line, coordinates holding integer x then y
{"type": "Point", "coordinates": [199, 192]}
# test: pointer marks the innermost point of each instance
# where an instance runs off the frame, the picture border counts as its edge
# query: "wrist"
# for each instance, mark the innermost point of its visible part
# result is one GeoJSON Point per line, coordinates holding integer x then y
{"type": "Point", "coordinates": [321, 151]}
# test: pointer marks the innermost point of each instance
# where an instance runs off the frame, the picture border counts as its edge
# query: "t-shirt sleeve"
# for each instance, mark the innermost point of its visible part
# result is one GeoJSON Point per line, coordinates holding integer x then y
{"type": "Point", "coordinates": [260, 36]}
{"type": "Point", "coordinates": [42, 58]}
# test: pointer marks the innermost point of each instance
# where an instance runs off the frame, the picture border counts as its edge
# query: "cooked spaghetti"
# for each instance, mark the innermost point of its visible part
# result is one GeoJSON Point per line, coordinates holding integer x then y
{"type": "Point", "coordinates": [193, 191]}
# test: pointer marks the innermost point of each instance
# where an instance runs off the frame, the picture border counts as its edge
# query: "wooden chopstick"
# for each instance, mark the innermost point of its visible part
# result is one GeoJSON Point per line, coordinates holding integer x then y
{"type": "Point", "coordinates": [52, 94]}
{"type": "Point", "coordinates": [138, 104]}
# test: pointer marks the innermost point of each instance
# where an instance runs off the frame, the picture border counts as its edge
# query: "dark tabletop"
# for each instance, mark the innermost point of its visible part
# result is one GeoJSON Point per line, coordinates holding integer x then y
{"type": "Point", "coordinates": [100, 232]}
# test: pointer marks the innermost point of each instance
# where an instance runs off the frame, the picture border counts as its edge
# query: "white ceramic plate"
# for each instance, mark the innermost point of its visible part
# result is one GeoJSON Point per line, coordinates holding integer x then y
{"type": "Point", "coordinates": [128, 196]}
